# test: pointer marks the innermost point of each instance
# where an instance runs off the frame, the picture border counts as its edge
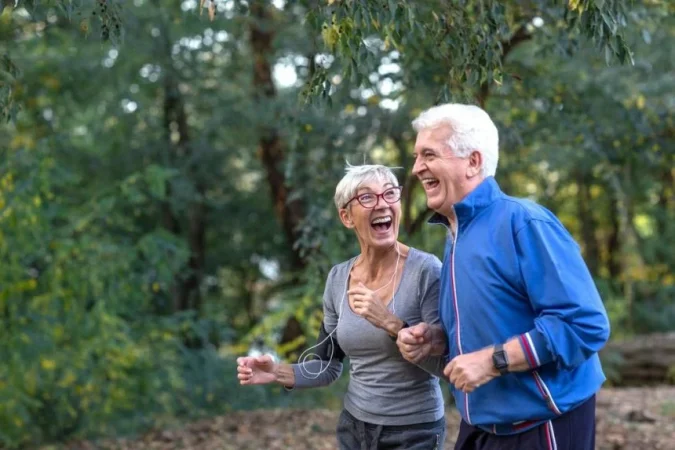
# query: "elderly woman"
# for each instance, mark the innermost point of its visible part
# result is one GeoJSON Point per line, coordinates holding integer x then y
{"type": "Point", "coordinates": [390, 403]}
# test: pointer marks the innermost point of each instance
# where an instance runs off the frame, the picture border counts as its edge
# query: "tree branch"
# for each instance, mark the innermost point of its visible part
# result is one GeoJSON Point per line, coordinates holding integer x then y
{"type": "Point", "coordinates": [521, 35]}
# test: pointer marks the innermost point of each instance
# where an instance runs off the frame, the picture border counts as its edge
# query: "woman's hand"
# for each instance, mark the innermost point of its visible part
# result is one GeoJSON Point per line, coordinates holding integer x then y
{"type": "Point", "coordinates": [256, 370]}
{"type": "Point", "coordinates": [369, 306]}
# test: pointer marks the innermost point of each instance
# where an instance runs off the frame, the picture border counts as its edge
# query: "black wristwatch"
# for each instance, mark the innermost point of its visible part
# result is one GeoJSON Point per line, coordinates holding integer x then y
{"type": "Point", "coordinates": [500, 360]}
{"type": "Point", "coordinates": [405, 325]}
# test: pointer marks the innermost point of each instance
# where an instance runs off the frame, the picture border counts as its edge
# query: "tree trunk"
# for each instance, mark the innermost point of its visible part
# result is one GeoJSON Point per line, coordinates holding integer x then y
{"type": "Point", "coordinates": [411, 224]}
{"type": "Point", "coordinates": [624, 246]}
{"type": "Point", "coordinates": [292, 331]}
{"type": "Point", "coordinates": [185, 291]}
{"type": "Point", "coordinates": [666, 206]}
{"type": "Point", "coordinates": [289, 211]}
{"type": "Point", "coordinates": [614, 240]}
{"type": "Point", "coordinates": [588, 225]}
{"type": "Point", "coordinates": [186, 294]}
{"type": "Point", "coordinates": [642, 360]}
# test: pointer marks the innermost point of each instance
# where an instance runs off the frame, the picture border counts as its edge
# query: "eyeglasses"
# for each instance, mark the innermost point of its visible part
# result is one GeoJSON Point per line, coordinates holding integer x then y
{"type": "Point", "coordinates": [370, 200]}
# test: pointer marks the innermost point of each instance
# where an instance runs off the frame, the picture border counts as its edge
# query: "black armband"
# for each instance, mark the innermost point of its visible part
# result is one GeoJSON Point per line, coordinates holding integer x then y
{"type": "Point", "coordinates": [329, 346]}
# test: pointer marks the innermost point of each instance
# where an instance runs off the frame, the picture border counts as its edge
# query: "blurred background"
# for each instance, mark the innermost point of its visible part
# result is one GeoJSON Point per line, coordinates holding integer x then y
{"type": "Point", "coordinates": [167, 171]}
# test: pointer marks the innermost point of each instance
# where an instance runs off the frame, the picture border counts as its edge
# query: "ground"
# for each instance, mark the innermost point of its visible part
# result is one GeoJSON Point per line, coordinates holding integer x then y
{"type": "Point", "coordinates": [627, 419]}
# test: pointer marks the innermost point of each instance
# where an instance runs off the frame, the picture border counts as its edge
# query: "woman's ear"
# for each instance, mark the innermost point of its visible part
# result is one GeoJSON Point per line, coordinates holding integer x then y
{"type": "Point", "coordinates": [475, 164]}
{"type": "Point", "coordinates": [346, 218]}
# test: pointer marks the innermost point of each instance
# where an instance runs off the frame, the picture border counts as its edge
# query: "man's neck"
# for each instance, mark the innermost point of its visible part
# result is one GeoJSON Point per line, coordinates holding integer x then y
{"type": "Point", "coordinates": [452, 219]}
{"type": "Point", "coordinates": [470, 185]}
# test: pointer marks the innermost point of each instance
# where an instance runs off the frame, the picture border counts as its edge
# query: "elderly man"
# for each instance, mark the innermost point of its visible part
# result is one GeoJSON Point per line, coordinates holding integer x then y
{"type": "Point", "coordinates": [522, 320]}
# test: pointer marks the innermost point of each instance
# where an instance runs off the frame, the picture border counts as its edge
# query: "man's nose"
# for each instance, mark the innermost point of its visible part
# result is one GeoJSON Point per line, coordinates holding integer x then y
{"type": "Point", "coordinates": [417, 167]}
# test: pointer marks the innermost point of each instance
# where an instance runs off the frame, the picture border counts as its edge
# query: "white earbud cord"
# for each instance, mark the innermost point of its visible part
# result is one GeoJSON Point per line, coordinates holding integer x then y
{"type": "Point", "coordinates": [303, 360]}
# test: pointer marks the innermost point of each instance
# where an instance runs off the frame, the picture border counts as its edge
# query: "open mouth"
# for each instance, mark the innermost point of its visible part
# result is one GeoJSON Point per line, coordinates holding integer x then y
{"type": "Point", "coordinates": [429, 183]}
{"type": "Point", "coordinates": [382, 223]}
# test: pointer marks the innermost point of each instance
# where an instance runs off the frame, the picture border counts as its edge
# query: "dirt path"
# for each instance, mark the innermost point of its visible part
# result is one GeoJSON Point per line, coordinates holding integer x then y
{"type": "Point", "coordinates": [628, 419]}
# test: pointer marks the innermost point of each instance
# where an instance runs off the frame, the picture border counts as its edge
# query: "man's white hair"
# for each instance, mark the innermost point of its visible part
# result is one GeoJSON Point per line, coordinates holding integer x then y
{"type": "Point", "coordinates": [357, 176]}
{"type": "Point", "coordinates": [472, 130]}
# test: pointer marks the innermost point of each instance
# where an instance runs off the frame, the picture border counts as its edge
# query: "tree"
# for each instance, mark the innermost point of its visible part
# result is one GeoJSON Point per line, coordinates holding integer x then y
{"type": "Point", "coordinates": [461, 47]}
{"type": "Point", "coordinates": [166, 201]}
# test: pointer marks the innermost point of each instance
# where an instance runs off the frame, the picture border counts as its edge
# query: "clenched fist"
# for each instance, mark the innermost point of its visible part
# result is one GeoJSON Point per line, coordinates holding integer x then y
{"type": "Point", "coordinates": [415, 342]}
{"type": "Point", "coordinates": [256, 370]}
{"type": "Point", "coordinates": [471, 370]}
{"type": "Point", "coordinates": [368, 305]}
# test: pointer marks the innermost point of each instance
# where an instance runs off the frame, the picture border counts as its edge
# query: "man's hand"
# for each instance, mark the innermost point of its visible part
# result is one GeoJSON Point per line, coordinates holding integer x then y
{"type": "Point", "coordinates": [470, 371]}
{"type": "Point", "coordinates": [256, 370]}
{"type": "Point", "coordinates": [369, 306]}
{"type": "Point", "coordinates": [415, 342]}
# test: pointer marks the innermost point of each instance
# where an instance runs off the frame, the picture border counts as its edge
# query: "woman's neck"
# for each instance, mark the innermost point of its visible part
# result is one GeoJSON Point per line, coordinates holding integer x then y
{"type": "Point", "coordinates": [376, 263]}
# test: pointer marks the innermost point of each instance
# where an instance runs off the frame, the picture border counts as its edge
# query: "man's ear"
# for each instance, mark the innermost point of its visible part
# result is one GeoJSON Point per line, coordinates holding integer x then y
{"type": "Point", "coordinates": [346, 218]}
{"type": "Point", "coordinates": [475, 164]}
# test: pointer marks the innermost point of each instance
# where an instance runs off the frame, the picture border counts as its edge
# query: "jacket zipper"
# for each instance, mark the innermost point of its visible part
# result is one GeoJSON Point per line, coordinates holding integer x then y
{"type": "Point", "coordinates": [455, 304]}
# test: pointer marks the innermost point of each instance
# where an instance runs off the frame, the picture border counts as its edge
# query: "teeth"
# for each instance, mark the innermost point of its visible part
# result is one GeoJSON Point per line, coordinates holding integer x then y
{"type": "Point", "coordinates": [385, 219]}
{"type": "Point", "coordinates": [429, 180]}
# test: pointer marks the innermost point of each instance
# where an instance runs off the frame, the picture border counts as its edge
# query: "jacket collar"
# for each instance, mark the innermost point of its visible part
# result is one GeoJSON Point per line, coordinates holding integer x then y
{"type": "Point", "coordinates": [484, 195]}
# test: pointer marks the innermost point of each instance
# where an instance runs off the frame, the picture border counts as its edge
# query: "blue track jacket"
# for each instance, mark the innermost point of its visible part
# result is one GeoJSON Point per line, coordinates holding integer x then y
{"type": "Point", "coordinates": [513, 270]}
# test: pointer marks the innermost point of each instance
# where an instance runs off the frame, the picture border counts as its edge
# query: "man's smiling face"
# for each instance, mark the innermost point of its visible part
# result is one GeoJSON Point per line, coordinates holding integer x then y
{"type": "Point", "coordinates": [444, 176]}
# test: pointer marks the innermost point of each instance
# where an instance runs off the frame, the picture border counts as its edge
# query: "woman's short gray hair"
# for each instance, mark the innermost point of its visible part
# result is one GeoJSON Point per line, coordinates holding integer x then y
{"type": "Point", "coordinates": [472, 130]}
{"type": "Point", "coordinates": [357, 176]}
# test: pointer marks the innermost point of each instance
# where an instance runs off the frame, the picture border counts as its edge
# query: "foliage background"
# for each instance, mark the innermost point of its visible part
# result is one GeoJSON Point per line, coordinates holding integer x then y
{"type": "Point", "coordinates": [166, 178]}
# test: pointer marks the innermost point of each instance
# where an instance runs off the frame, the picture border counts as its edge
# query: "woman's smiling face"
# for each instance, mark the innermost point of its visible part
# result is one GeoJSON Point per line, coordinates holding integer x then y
{"type": "Point", "coordinates": [375, 226]}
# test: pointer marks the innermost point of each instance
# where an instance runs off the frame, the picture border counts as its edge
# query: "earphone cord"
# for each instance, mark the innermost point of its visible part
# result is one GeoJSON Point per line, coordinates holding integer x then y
{"type": "Point", "coordinates": [303, 360]}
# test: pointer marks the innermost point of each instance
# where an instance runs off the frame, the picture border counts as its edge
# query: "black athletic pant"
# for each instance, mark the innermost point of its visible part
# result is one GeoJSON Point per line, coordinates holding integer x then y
{"type": "Point", "coordinates": [353, 434]}
{"type": "Point", "coordinates": [574, 430]}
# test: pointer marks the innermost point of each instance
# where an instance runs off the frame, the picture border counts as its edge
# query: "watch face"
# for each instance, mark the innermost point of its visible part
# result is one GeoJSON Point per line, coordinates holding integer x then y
{"type": "Point", "coordinates": [499, 360]}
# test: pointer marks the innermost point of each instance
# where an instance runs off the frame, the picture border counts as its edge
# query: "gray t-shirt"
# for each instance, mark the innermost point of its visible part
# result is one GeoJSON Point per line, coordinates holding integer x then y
{"type": "Point", "coordinates": [384, 388]}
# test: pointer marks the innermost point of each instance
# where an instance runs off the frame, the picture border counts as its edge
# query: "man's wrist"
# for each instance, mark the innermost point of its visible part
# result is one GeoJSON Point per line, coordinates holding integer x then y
{"type": "Point", "coordinates": [489, 361]}
{"type": "Point", "coordinates": [499, 360]}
